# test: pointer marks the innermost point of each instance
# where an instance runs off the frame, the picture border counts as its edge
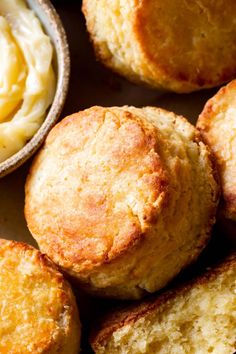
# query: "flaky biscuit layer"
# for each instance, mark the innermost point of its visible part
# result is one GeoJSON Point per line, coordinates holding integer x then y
{"type": "Point", "coordinates": [122, 198]}
{"type": "Point", "coordinates": [176, 45]}
{"type": "Point", "coordinates": [37, 307]}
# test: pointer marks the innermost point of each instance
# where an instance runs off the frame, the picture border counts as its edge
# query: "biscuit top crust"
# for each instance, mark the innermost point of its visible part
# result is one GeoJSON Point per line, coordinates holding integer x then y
{"type": "Point", "coordinates": [188, 41]}
{"type": "Point", "coordinates": [36, 304]}
{"type": "Point", "coordinates": [106, 182]}
{"type": "Point", "coordinates": [217, 124]}
{"type": "Point", "coordinates": [178, 45]}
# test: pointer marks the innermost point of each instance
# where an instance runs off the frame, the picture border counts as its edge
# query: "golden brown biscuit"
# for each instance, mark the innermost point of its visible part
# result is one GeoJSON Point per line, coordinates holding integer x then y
{"type": "Point", "coordinates": [199, 317]}
{"type": "Point", "coordinates": [217, 124]}
{"type": "Point", "coordinates": [173, 44]}
{"type": "Point", "coordinates": [122, 198]}
{"type": "Point", "coordinates": [37, 307]}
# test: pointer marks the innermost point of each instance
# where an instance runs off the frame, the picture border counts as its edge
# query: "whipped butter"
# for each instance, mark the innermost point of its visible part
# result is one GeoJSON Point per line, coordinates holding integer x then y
{"type": "Point", "coordinates": [27, 81]}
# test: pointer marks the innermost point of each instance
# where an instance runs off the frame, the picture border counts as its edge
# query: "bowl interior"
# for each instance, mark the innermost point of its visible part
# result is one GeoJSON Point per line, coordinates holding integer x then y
{"type": "Point", "coordinates": [54, 28]}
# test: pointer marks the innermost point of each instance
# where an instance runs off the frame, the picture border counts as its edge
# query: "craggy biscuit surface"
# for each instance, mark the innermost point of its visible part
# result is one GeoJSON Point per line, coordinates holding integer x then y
{"type": "Point", "coordinates": [198, 317]}
{"type": "Point", "coordinates": [177, 45]}
{"type": "Point", "coordinates": [217, 124]}
{"type": "Point", "coordinates": [122, 198]}
{"type": "Point", "coordinates": [37, 307]}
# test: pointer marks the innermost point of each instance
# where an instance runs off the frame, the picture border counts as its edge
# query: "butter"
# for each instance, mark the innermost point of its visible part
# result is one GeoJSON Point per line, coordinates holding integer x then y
{"type": "Point", "coordinates": [27, 80]}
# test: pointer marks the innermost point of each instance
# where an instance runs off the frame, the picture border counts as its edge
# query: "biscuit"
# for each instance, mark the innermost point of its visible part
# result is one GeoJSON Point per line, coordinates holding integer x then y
{"type": "Point", "coordinates": [122, 198]}
{"type": "Point", "coordinates": [198, 317]}
{"type": "Point", "coordinates": [174, 44]}
{"type": "Point", "coordinates": [217, 124]}
{"type": "Point", "coordinates": [37, 307]}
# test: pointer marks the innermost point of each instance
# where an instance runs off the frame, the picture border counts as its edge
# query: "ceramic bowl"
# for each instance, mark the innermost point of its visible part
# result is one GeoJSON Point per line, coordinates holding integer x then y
{"type": "Point", "coordinates": [54, 28]}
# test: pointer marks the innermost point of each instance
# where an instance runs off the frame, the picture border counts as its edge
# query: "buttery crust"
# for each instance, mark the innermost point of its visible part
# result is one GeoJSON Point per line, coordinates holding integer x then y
{"type": "Point", "coordinates": [113, 322]}
{"type": "Point", "coordinates": [108, 198]}
{"type": "Point", "coordinates": [216, 124]}
{"type": "Point", "coordinates": [38, 309]}
{"type": "Point", "coordinates": [176, 45]}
